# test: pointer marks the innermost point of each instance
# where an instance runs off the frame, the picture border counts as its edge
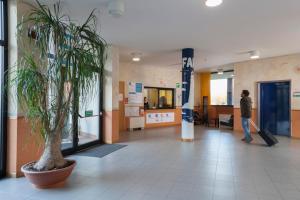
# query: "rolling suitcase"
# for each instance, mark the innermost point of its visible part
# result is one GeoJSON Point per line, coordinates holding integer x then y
{"type": "Point", "coordinates": [266, 136]}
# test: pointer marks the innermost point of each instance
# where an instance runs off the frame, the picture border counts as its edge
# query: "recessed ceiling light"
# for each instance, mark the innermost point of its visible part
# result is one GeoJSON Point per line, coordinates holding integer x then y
{"type": "Point", "coordinates": [254, 54]}
{"type": "Point", "coordinates": [213, 3]}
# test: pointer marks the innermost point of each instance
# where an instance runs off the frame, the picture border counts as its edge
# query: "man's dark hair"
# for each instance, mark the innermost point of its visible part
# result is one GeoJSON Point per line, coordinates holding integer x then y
{"type": "Point", "coordinates": [246, 93]}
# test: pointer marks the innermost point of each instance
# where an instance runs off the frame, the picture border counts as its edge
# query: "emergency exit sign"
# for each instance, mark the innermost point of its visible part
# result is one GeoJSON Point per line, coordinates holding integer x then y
{"type": "Point", "coordinates": [88, 113]}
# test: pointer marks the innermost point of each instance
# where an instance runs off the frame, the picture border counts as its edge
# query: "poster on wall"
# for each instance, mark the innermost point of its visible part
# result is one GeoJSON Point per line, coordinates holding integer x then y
{"type": "Point", "coordinates": [131, 87]}
{"type": "Point", "coordinates": [135, 93]}
{"type": "Point", "coordinates": [178, 94]}
{"type": "Point", "coordinates": [138, 87]}
{"type": "Point", "coordinates": [135, 98]}
{"type": "Point", "coordinates": [121, 97]}
{"type": "Point", "coordinates": [132, 111]}
{"type": "Point", "coordinates": [154, 118]}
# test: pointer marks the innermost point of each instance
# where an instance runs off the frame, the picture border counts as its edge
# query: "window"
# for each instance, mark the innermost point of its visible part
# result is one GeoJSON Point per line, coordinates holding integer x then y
{"type": "Point", "coordinates": [159, 98]}
{"type": "Point", "coordinates": [218, 90]}
{"type": "Point", "coordinates": [3, 68]}
{"type": "Point", "coordinates": [221, 88]}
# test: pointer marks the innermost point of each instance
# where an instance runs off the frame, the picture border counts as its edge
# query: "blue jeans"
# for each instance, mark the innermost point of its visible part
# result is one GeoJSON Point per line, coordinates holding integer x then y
{"type": "Point", "coordinates": [246, 127]}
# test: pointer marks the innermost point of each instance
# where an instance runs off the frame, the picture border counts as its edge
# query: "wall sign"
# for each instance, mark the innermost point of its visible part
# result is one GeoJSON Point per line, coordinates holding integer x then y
{"type": "Point", "coordinates": [88, 113]}
{"type": "Point", "coordinates": [135, 93]}
{"type": "Point", "coordinates": [121, 97]}
{"type": "Point", "coordinates": [132, 111]}
{"type": "Point", "coordinates": [155, 118]}
{"type": "Point", "coordinates": [296, 94]}
{"type": "Point", "coordinates": [138, 87]}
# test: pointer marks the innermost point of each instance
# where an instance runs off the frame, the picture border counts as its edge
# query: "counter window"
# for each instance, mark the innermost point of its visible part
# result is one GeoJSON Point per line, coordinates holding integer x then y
{"type": "Point", "coordinates": [158, 98]}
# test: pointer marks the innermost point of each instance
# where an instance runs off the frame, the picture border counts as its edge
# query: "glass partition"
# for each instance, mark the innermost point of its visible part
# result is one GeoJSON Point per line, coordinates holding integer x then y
{"type": "Point", "coordinates": [82, 126]}
{"type": "Point", "coordinates": [151, 95]}
{"type": "Point", "coordinates": [165, 98]}
{"type": "Point", "coordinates": [158, 98]}
{"type": "Point", "coordinates": [89, 118]}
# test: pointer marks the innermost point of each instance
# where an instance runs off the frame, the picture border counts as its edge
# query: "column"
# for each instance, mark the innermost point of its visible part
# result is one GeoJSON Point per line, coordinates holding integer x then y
{"type": "Point", "coordinates": [187, 130]}
{"type": "Point", "coordinates": [111, 97]}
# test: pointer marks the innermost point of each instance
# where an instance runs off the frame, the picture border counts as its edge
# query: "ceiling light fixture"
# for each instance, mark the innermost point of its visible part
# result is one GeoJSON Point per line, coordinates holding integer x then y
{"type": "Point", "coordinates": [254, 54]}
{"type": "Point", "coordinates": [220, 71]}
{"type": "Point", "coordinates": [116, 8]}
{"type": "Point", "coordinates": [136, 57]}
{"type": "Point", "coordinates": [213, 3]}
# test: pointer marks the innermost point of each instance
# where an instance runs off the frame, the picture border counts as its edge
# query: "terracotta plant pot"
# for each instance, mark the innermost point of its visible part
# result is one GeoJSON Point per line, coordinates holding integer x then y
{"type": "Point", "coordinates": [48, 179]}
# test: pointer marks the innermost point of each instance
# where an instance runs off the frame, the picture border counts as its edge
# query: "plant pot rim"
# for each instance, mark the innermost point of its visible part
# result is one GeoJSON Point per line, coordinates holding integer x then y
{"type": "Point", "coordinates": [24, 170]}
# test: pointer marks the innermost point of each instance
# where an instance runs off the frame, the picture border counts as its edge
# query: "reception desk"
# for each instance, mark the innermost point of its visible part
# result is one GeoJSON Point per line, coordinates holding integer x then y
{"type": "Point", "coordinates": [162, 117]}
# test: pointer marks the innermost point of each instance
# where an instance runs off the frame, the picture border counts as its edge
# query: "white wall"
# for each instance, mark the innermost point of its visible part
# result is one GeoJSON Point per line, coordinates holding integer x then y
{"type": "Point", "coordinates": [111, 80]}
{"type": "Point", "coordinates": [16, 11]}
{"type": "Point", "coordinates": [248, 73]}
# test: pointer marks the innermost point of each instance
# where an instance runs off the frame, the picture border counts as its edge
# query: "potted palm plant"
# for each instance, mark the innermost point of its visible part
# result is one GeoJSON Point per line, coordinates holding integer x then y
{"type": "Point", "coordinates": [60, 60]}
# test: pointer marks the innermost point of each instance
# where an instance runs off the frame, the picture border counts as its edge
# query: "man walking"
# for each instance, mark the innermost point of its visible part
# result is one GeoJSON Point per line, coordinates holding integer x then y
{"type": "Point", "coordinates": [246, 112]}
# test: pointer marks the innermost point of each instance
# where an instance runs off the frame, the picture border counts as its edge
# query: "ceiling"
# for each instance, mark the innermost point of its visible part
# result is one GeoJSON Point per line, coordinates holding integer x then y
{"type": "Point", "coordinates": [159, 29]}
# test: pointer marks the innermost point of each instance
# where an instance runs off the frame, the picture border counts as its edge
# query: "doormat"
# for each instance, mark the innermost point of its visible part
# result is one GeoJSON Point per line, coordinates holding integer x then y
{"type": "Point", "coordinates": [101, 151]}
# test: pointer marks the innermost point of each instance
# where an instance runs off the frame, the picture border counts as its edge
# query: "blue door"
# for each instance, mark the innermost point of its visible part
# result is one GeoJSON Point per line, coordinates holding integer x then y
{"type": "Point", "coordinates": [275, 108]}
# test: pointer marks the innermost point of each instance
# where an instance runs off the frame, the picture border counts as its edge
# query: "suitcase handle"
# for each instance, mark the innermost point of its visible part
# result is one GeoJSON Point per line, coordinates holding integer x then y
{"type": "Point", "coordinates": [254, 125]}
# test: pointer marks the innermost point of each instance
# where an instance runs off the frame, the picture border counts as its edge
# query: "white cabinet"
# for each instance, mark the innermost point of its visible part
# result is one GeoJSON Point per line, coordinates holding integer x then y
{"type": "Point", "coordinates": [136, 122]}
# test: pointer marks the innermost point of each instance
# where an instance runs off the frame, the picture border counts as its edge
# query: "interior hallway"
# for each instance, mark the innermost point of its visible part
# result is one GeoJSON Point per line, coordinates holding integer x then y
{"type": "Point", "coordinates": [157, 165]}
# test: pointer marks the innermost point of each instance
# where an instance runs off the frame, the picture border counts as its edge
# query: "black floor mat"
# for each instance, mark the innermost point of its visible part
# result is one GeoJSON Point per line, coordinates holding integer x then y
{"type": "Point", "coordinates": [101, 151]}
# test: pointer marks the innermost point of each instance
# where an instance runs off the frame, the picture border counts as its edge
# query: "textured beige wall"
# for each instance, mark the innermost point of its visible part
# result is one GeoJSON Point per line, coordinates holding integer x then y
{"type": "Point", "coordinates": [197, 97]}
{"type": "Point", "coordinates": [248, 73]}
{"type": "Point", "coordinates": [157, 77]}
{"type": "Point", "coordinates": [151, 76]}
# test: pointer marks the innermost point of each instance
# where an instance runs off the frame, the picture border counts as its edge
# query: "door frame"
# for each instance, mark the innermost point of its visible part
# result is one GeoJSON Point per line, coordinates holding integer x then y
{"type": "Point", "coordinates": [75, 116]}
{"type": "Point", "coordinates": [258, 100]}
{"type": "Point", "coordinates": [4, 98]}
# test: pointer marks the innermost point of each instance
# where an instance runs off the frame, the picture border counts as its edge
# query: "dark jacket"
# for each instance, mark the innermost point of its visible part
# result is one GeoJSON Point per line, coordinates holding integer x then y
{"type": "Point", "coordinates": [246, 107]}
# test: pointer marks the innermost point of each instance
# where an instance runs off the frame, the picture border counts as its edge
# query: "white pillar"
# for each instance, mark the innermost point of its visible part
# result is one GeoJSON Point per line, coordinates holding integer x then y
{"type": "Point", "coordinates": [187, 130]}
{"type": "Point", "coordinates": [111, 97]}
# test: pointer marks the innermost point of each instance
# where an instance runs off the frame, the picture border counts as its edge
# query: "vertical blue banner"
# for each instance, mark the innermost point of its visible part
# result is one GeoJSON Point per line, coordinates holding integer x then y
{"type": "Point", "coordinates": [187, 94]}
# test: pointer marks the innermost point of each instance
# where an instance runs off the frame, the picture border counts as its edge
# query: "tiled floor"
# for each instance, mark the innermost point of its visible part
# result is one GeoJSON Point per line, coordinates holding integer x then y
{"type": "Point", "coordinates": [156, 165]}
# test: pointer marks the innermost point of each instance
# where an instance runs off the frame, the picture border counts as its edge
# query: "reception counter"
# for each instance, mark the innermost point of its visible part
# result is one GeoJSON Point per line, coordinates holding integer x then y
{"type": "Point", "coordinates": [162, 117]}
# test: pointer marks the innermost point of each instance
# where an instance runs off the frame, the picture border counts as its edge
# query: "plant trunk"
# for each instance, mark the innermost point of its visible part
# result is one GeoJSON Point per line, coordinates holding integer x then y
{"type": "Point", "coordinates": [52, 157]}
